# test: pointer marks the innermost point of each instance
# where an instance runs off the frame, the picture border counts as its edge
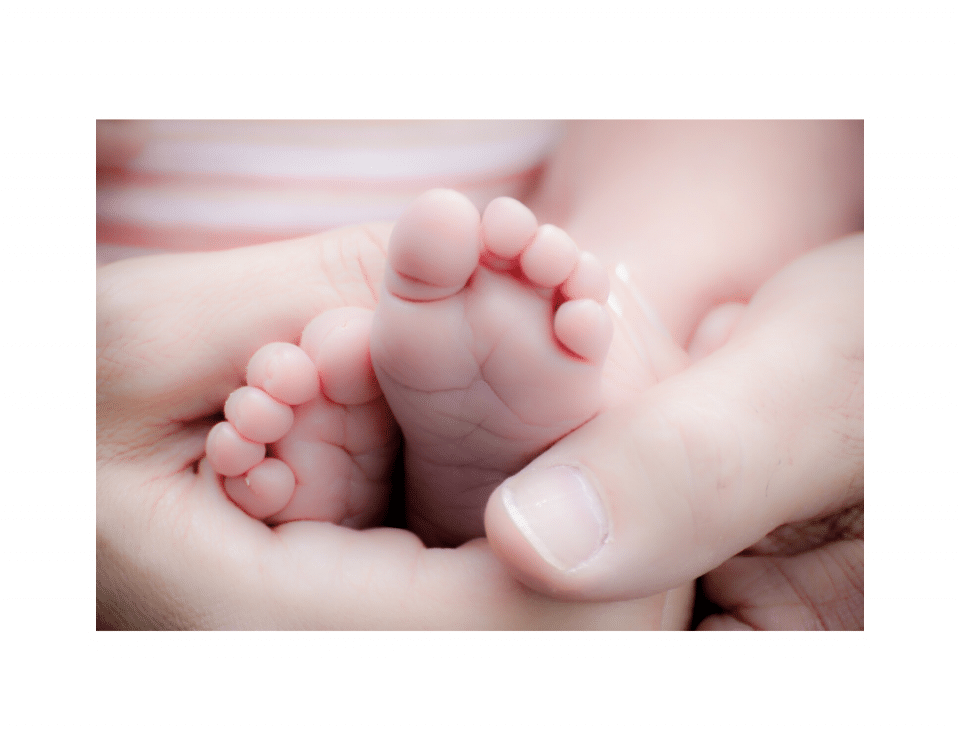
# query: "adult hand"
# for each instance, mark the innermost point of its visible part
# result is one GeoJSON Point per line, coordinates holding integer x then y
{"type": "Point", "coordinates": [756, 451]}
{"type": "Point", "coordinates": [174, 334]}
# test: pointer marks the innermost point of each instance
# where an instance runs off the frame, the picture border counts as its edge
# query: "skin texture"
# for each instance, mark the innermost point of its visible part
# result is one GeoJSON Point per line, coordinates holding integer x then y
{"type": "Point", "coordinates": [490, 339]}
{"type": "Point", "coordinates": [317, 409]}
{"type": "Point", "coordinates": [762, 439]}
{"type": "Point", "coordinates": [174, 335]}
{"type": "Point", "coordinates": [702, 214]}
{"type": "Point", "coordinates": [483, 357]}
{"type": "Point", "coordinates": [701, 454]}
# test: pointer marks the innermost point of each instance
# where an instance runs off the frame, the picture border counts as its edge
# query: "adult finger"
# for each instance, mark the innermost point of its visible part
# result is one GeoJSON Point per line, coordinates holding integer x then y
{"type": "Point", "coordinates": [817, 590]}
{"type": "Point", "coordinates": [219, 309]}
{"type": "Point", "coordinates": [232, 572]}
{"type": "Point", "coordinates": [768, 430]}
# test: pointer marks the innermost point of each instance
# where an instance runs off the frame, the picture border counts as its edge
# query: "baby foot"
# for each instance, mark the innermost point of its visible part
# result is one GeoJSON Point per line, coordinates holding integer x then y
{"type": "Point", "coordinates": [489, 342]}
{"type": "Point", "coordinates": [309, 436]}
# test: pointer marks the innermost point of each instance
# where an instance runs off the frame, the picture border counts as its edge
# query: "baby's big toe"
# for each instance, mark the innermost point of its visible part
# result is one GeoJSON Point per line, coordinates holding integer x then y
{"type": "Point", "coordinates": [434, 247]}
{"type": "Point", "coordinates": [338, 344]}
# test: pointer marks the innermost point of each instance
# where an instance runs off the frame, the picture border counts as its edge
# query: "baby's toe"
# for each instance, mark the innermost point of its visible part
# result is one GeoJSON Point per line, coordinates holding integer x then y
{"type": "Point", "coordinates": [551, 257]}
{"type": "Point", "coordinates": [507, 228]}
{"type": "Point", "coordinates": [266, 489]}
{"type": "Point", "coordinates": [257, 416]}
{"type": "Point", "coordinates": [589, 280]}
{"type": "Point", "coordinates": [229, 453]}
{"type": "Point", "coordinates": [338, 344]}
{"type": "Point", "coordinates": [434, 247]}
{"type": "Point", "coordinates": [585, 328]}
{"type": "Point", "coordinates": [285, 372]}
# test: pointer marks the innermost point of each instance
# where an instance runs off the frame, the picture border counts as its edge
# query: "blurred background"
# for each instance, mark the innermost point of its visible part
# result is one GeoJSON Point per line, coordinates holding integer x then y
{"type": "Point", "coordinates": [182, 186]}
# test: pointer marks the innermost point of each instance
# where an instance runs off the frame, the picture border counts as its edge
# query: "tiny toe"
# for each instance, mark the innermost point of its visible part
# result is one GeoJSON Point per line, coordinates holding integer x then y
{"type": "Point", "coordinates": [265, 490]}
{"type": "Point", "coordinates": [257, 416]}
{"type": "Point", "coordinates": [585, 328]}
{"type": "Point", "coordinates": [551, 257]}
{"type": "Point", "coordinates": [285, 372]}
{"type": "Point", "coordinates": [507, 227]}
{"type": "Point", "coordinates": [589, 280]}
{"type": "Point", "coordinates": [434, 247]}
{"type": "Point", "coordinates": [231, 455]}
{"type": "Point", "coordinates": [338, 343]}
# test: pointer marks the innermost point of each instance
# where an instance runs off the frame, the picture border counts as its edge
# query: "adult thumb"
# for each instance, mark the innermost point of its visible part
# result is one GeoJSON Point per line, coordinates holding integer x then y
{"type": "Point", "coordinates": [767, 430]}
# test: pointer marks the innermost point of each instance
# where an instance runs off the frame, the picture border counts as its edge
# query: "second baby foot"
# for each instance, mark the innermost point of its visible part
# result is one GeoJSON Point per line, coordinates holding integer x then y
{"type": "Point", "coordinates": [489, 342]}
{"type": "Point", "coordinates": [310, 436]}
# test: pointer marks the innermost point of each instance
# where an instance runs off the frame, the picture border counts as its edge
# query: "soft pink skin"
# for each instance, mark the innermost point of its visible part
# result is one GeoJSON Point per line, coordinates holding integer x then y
{"type": "Point", "coordinates": [332, 439]}
{"type": "Point", "coordinates": [483, 354]}
{"type": "Point", "coordinates": [173, 551]}
{"type": "Point", "coordinates": [490, 341]}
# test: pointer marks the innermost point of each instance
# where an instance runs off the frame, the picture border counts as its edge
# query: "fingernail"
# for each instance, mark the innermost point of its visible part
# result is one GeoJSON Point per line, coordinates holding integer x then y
{"type": "Point", "coordinates": [559, 513]}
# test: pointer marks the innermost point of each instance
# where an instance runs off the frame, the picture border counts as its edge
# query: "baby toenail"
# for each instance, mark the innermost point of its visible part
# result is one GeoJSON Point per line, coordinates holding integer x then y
{"type": "Point", "coordinates": [559, 513]}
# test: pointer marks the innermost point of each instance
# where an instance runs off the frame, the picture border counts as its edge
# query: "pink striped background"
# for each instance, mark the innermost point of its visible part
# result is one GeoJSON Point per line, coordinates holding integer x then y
{"type": "Point", "coordinates": [211, 185]}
